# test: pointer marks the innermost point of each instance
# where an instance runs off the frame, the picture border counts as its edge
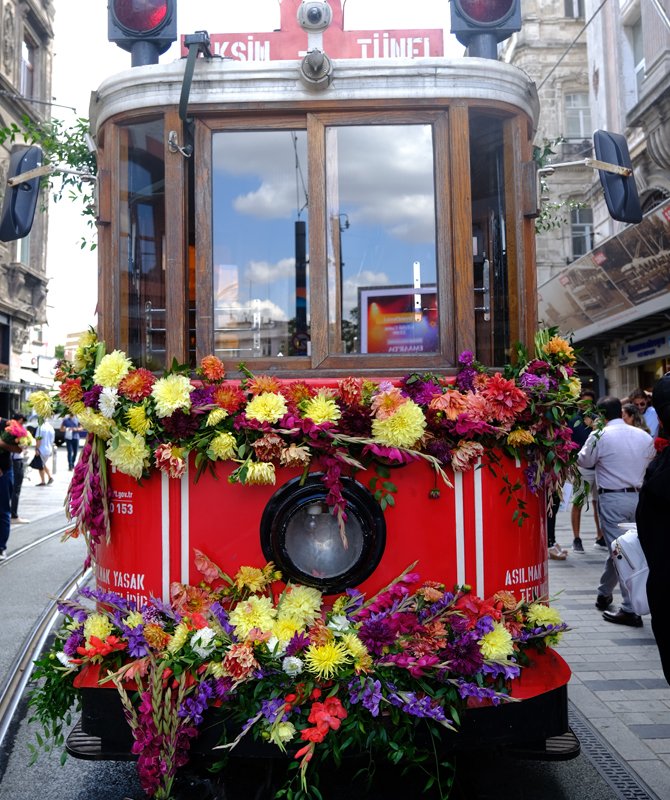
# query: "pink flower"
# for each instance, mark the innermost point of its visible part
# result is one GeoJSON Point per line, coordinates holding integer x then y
{"type": "Point", "coordinates": [170, 459]}
{"type": "Point", "coordinates": [505, 398]}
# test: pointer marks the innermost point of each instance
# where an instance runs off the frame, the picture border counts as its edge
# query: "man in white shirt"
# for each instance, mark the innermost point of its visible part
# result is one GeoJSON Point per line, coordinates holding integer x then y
{"type": "Point", "coordinates": [619, 453]}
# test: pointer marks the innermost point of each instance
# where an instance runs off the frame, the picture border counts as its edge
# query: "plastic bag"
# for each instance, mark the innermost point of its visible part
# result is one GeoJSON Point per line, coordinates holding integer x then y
{"type": "Point", "coordinates": [631, 566]}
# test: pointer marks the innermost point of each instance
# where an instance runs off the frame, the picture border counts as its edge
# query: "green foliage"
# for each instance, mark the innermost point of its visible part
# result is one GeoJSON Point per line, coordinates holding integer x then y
{"type": "Point", "coordinates": [52, 699]}
{"type": "Point", "coordinates": [64, 146]}
{"type": "Point", "coordinates": [553, 215]}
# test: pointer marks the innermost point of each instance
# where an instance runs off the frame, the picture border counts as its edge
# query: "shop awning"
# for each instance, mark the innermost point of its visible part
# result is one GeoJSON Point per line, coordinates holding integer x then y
{"type": "Point", "coordinates": [621, 289]}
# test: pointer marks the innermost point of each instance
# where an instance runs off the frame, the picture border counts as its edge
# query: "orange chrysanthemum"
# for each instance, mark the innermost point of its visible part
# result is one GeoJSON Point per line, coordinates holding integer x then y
{"type": "Point", "coordinates": [136, 385]}
{"type": "Point", "coordinates": [296, 392]}
{"type": "Point", "coordinates": [263, 383]}
{"type": "Point", "coordinates": [230, 398]}
{"type": "Point", "coordinates": [385, 404]}
{"type": "Point", "coordinates": [212, 368]}
{"type": "Point", "coordinates": [70, 391]}
{"type": "Point", "coordinates": [450, 403]}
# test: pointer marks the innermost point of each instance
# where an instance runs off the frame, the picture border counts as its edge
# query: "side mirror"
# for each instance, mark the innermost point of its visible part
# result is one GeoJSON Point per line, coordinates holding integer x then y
{"type": "Point", "coordinates": [20, 201]}
{"type": "Point", "coordinates": [620, 191]}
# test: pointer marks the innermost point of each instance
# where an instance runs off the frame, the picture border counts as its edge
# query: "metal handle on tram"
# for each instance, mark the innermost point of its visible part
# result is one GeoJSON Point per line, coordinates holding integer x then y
{"type": "Point", "coordinates": [485, 289]}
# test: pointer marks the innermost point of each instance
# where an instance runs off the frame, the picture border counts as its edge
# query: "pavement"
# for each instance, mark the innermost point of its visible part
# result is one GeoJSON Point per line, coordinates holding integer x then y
{"type": "Point", "coordinates": [617, 684]}
{"type": "Point", "coordinates": [619, 699]}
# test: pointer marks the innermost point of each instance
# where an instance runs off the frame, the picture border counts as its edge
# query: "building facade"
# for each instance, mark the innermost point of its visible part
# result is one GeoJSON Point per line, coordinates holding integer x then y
{"type": "Point", "coordinates": [26, 35]}
{"type": "Point", "coordinates": [604, 66]}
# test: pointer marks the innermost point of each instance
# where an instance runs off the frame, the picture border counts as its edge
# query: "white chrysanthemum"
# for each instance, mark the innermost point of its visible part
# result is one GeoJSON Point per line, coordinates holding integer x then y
{"type": "Point", "coordinates": [108, 401]}
{"type": "Point", "coordinates": [202, 642]}
{"type": "Point", "coordinates": [292, 666]}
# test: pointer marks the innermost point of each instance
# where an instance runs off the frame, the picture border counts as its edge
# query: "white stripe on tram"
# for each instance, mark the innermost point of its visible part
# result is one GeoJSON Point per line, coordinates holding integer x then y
{"type": "Point", "coordinates": [479, 528]}
{"type": "Point", "coordinates": [460, 528]}
{"type": "Point", "coordinates": [185, 530]}
{"type": "Point", "coordinates": [165, 535]}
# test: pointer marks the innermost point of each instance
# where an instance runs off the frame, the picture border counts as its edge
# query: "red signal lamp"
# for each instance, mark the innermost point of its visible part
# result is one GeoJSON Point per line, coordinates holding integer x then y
{"type": "Point", "coordinates": [481, 24]}
{"type": "Point", "coordinates": [145, 28]}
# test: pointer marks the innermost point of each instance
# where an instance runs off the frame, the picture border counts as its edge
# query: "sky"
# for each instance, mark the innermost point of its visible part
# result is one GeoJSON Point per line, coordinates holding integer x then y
{"type": "Point", "coordinates": [83, 58]}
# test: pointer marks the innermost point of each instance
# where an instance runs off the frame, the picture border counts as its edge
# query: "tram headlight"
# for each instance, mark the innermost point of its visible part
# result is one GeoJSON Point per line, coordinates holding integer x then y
{"type": "Point", "coordinates": [303, 538]}
{"type": "Point", "coordinates": [314, 15]}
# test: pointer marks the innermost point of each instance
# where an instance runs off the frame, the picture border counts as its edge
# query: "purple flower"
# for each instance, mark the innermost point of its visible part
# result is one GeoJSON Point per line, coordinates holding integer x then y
{"type": "Point", "coordinates": [376, 635]}
{"type": "Point", "coordinates": [222, 616]}
{"type": "Point", "coordinates": [271, 709]}
{"type": "Point", "coordinates": [369, 694]}
{"type": "Point", "coordinates": [202, 397]}
{"type": "Point", "coordinates": [463, 655]}
{"type": "Point", "coordinates": [91, 397]}
{"type": "Point", "coordinates": [298, 643]}
{"type": "Point", "coordinates": [466, 358]}
{"type": "Point", "coordinates": [73, 641]}
{"type": "Point", "coordinates": [424, 707]}
{"type": "Point", "coordinates": [180, 425]}
{"type": "Point", "coordinates": [466, 689]}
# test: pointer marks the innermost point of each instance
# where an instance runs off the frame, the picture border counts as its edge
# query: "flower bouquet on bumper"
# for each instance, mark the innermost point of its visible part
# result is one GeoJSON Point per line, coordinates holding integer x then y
{"type": "Point", "coordinates": [387, 676]}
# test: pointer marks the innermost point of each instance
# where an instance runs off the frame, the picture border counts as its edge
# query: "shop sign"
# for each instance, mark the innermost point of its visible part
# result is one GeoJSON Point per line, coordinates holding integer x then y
{"type": "Point", "coordinates": [645, 349]}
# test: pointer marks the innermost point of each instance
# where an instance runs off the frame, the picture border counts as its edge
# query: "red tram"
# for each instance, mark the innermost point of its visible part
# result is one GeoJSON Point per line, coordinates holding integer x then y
{"type": "Point", "coordinates": [326, 219]}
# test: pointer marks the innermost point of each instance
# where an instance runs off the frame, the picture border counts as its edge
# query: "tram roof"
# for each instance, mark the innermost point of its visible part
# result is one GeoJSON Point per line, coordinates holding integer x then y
{"type": "Point", "coordinates": [220, 82]}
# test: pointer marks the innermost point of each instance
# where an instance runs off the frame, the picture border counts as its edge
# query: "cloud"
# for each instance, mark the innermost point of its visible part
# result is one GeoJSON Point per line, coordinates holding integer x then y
{"type": "Point", "coordinates": [266, 272]}
{"type": "Point", "coordinates": [364, 278]}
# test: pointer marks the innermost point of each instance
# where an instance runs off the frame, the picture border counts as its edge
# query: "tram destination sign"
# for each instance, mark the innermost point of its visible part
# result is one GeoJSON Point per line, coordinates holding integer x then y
{"type": "Point", "coordinates": [290, 42]}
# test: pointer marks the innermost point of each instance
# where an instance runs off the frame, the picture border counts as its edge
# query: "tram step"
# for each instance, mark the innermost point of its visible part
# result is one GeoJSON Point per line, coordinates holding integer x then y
{"type": "Point", "coordinates": [92, 748]}
{"type": "Point", "coordinates": [556, 748]}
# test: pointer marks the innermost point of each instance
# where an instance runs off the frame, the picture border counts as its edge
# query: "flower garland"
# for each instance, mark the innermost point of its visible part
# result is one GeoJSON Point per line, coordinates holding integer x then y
{"type": "Point", "coordinates": [281, 666]}
{"type": "Point", "coordinates": [138, 422]}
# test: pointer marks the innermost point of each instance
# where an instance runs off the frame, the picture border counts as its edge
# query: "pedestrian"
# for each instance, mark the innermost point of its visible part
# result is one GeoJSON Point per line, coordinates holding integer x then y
{"type": "Point", "coordinates": [71, 428]}
{"type": "Point", "coordinates": [6, 484]}
{"type": "Point", "coordinates": [45, 436]}
{"type": "Point", "coordinates": [581, 425]}
{"type": "Point", "coordinates": [632, 416]}
{"type": "Point", "coordinates": [18, 470]}
{"type": "Point", "coordinates": [640, 398]}
{"type": "Point", "coordinates": [652, 525]}
{"type": "Point", "coordinates": [555, 550]}
{"type": "Point", "coordinates": [619, 453]}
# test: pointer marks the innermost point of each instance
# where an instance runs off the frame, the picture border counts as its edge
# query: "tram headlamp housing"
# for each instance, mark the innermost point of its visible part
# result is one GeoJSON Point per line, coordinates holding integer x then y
{"type": "Point", "coordinates": [302, 536]}
{"type": "Point", "coordinates": [314, 15]}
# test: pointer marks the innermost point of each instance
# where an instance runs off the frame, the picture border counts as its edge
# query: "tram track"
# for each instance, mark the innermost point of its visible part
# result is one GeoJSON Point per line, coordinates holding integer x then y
{"type": "Point", "coordinates": [36, 543]}
{"type": "Point", "coordinates": [14, 687]}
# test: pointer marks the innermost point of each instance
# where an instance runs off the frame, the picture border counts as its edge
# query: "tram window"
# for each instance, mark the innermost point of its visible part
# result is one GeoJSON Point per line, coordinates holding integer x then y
{"type": "Point", "coordinates": [141, 243]}
{"type": "Point", "coordinates": [381, 239]}
{"type": "Point", "coordinates": [491, 298]}
{"type": "Point", "coordinates": [259, 230]}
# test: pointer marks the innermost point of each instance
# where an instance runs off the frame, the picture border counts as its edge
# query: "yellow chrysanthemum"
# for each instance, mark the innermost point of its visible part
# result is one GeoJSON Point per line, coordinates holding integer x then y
{"type": "Point", "coordinates": [128, 452]}
{"type": "Point", "coordinates": [261, 473]}
{"type": "Point", "coordinates": [251, 578]}
{"type": "Point", "coordinates": [97, 625]}
{"type": "Point", "coordinates": [217, 669]}
{"type": "Point", "coordinates": [520, 437]}
{"type": "Point", "coordinates": [138, 420]}
{"type": "Point", "coordinates": [223, 446]}
{"type": "Point", "coordinates": [267, 407]}
{"type": "Point", "coordinates": [539, 614]}
{"type": "Point", "coordinates": [111, 369]}
{"type": "Point", "coordinates": [41, 404]}
{"type": "Point", "coordinates": [171, 393]}
{"type": "Point", "coordinates": [402, 429]}
{"type": "Point", "coordinates": [215, 416]}
{"type": "Point", "coordinates": [133, 619]}
{"type": "Point", "coordinates": [286, 627]}
{"type": "Point", "coordinates": [256, 612]}
{"type": "Point", "coordinates": [321, 408]}
{"type": "Point", "coordinates": [179, 638]}
{"type": "Point", "coordinates": [497, 645]}
{"type": "Point", "coordinates": [77, 408]}
{"type": "Point", "coordinates": [354, 646]}
{"type": "Point", "coordinates": [95, 423]}
{"type": "Point", "coordinates": [302, 603]}
{"type": "Point", "coordinates": [324, 660]}
{"type": "Point", "coordinates": [574, 387]}
{"type": "Point", "coordinates": [85, 354]}
{"type": "Point", "coordinates": [282, 732]}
